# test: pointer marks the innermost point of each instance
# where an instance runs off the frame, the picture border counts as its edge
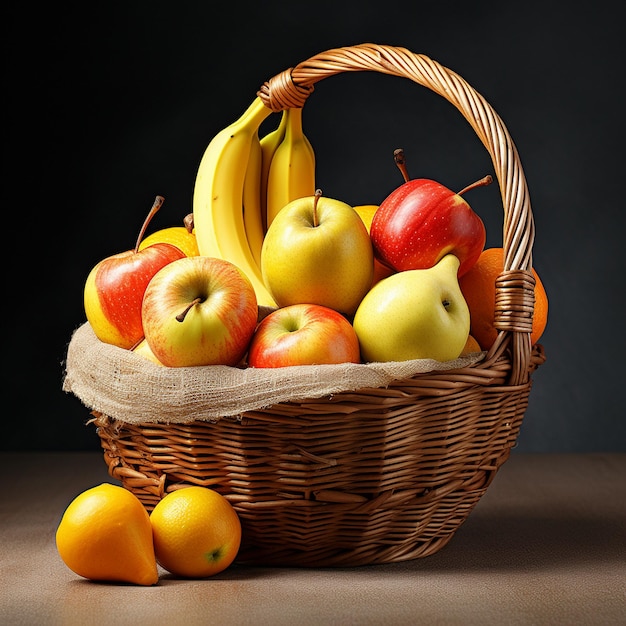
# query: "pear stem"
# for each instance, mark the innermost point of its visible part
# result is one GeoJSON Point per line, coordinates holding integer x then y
{"type": "Point", "coordinates": [181, 316]}
{"type": "Point", "coordinates": [398, 157]}
{"type": "Point", "coordinates": [156, 205]}
{"type": "Point", "coordinates": [487, 180]}
{"type": "Point", "coordinates": [318, 195]}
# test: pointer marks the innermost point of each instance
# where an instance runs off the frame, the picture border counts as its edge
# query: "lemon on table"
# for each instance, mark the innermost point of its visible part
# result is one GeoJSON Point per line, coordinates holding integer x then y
{"type": "Point", "coordinates": [178, 236]}
{"type": "Point", "coordinates": [197, 532]}
{"type": "Point", "coordinates": [105, 535]}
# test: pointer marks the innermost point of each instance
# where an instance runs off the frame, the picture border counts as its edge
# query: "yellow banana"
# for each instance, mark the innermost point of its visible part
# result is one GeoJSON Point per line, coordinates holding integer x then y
{"type": "Point", "coordinates": [218, 197]}
{"type": "Point", "coordinates": [252, 200]}
{"type": "Point", "coordinates": [292, 169]}
{"type": "Point", "coordinates": [269, 143]}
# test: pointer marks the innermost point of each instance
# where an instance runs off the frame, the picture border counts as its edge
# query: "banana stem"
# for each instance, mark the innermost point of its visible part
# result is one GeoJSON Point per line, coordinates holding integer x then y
{"type": "Point", "coordinates": [156, 205]}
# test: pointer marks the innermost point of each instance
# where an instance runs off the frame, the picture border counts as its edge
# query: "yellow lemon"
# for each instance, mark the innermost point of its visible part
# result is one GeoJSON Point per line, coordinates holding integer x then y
{"type": "Point", "coordinates": [197, 532]}
{"type": "Point", "coordinates": [178, 236]}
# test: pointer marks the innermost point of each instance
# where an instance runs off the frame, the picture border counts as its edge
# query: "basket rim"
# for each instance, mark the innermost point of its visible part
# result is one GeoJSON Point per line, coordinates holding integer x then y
{"type": "Point", "coordinates": [128, 387]}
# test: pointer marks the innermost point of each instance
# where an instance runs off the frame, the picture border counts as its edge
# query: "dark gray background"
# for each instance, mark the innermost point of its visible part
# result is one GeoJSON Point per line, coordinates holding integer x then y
{"type": "Point", "coordinates": [111, 104]}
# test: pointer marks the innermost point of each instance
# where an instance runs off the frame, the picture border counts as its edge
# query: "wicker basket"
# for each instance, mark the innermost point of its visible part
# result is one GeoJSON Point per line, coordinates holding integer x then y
{"type": "Point", "coordinates": [376, 475]}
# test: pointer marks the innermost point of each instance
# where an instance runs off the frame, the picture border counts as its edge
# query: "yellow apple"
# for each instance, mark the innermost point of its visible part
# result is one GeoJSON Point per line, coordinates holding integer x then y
{"type": "Point", "coordinates": [318, 251]}
{"type": "Point", "coordinates": [143, 349]}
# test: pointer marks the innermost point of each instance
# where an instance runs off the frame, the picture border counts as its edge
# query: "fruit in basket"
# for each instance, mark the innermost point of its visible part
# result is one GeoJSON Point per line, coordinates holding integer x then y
{"type": "Point", "coordinates": [251, 200]}
{"type": "Point", "coordinates": [471, 345]}
{"type": "Point", "coordinates": [318, 251]}
{"type": "Point", "coordinates": [269, 144]}
{"type": "Point", "coordinates": [414, 314]}
{"type": "Point", "coordinates": [183, 237]}
{"type": "Point", "coordinates": [199, 311]}
{"type": "Point", "coordinates": [291, 172]}
{"type": "Point", "coordinates": [421, 221]}
{"type": "Point", "coordinates": [115, 287]}
{"type": "Point", "coordinates": [144, 350]}
{"type": "Point", "coordinates": [479, 290]}
{"type": "Point", "coordinates": [366, 213]}
{"type": "Point", "coordinates": [197, 532]}
{"type": "Point", "coordinates": [105, 534]}
{"type": "Point", "coordinates": [303, 334]}
{"type": "Point", "coordinates": [218, 215]}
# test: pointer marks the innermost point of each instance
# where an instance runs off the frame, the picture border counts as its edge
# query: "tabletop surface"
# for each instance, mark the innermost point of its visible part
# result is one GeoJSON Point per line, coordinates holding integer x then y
{"type": "Point", "coordinates": [545, 545]}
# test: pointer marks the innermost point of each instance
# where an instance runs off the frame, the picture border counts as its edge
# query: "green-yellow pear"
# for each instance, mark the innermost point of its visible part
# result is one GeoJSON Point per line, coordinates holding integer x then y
{"type": "Point", "coordinates": [318, 251]}
{"type": "Point", "coordinates": [414, 314]}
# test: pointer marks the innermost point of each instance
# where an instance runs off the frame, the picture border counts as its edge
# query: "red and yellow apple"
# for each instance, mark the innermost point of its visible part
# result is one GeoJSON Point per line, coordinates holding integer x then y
{"type": "Point", "coordinates": [199, 310]}
{"type": "Point", "coordinates": [318, 251]}
{"type": "Point", "coordinates": [115, 287]}
{"type": "Point", "coordinates": [303, 334]}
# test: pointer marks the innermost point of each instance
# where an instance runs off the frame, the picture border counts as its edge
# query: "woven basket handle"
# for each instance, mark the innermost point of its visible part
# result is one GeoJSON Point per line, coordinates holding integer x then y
{"type": "Point", "coordinates": [515, 286]}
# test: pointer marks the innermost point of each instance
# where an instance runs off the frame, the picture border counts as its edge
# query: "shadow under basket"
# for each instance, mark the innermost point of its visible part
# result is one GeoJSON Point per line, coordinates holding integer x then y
{"type": "Point", "coordinates": [381, 474]}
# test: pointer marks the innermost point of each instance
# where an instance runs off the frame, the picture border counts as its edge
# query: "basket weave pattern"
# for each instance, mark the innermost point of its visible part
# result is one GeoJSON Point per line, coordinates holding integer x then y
{"type": "Point", "coordinates": [381, 474]}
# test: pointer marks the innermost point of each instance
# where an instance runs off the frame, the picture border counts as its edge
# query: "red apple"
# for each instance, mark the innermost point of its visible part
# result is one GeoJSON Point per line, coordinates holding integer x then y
{"type": "Point", "coordinates": [199, 310]}
{"type": "Point", "coordinates": [303, 334]}
{"type": "Point", "coordinates": [421, 221]}
{"type": "Point", "coordinates": [115, 287]}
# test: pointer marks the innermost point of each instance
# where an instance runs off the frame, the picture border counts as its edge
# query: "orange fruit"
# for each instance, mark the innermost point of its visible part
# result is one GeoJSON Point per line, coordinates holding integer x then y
{"type": "Point", "coordinates": [105, 534]}
{"type": "Point", "coordinates": [366, 213]}
{"type": "Point", "coordinates": [178, 236]}
{"type": "Point", "coordinates": [471, 345]}
{"type": "Point", "coordinates": [478, 286]}
{"type": "Point", "coordinates": [197, 532]}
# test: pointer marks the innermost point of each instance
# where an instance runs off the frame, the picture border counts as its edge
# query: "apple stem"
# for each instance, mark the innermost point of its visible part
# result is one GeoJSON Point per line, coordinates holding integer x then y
{"type": "Point", "coordinates": [181, 316]}
{"type": "Point", "coordinates": [487, 180]}
{"type": "Point", "coordinates": [398, 157]}
{"type": "Point", "coordinates": [318, 195]}
{"type": "Point", "coordinates": [156, 205]}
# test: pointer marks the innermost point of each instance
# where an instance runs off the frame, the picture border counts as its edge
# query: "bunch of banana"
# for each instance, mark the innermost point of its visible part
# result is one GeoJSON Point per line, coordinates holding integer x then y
{"type": "Point", "coordinates": [291, 171]}
{"type": "Point", "coordinates": [269, 144]}
{"type": "Point", "coordinates": [251, 201]}
{"type": "Point", "coordinates": [218, 213]}
{"type": "Point", "coordinates": [243, 180]}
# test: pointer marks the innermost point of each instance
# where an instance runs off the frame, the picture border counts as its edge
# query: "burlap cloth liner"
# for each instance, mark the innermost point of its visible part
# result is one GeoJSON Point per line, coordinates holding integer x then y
{"type": "Point", "coordinates": [129, 388]}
